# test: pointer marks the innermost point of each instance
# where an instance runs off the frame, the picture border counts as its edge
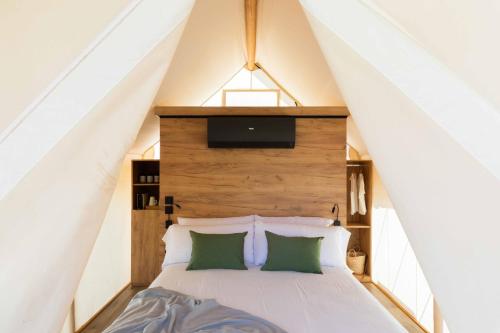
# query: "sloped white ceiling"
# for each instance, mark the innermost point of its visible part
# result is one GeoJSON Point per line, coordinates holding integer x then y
{"type": "Point", "coordinates": [425, 106]}
{"type": "Point", "coordinates": [131, 37]}
{"type": "Point", "coordinates": [463, 35]}
{"type": "Point", "coordinates": [40, 40]}
{"type": "Point", "coordinates": [288, 50]}
{"type": "Point", "coordinates": [431, 139]}
{"type": "Point", "coordinates": [212, 50]}
{"type": "Point", "coordinates": [49, 221]}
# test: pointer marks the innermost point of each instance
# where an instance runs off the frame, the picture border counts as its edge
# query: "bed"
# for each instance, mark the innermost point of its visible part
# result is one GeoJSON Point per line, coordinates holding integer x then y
{"type": "Point", "coordinates": [297, 302]}
{"type": "Point", "coordinates": [264, 285]}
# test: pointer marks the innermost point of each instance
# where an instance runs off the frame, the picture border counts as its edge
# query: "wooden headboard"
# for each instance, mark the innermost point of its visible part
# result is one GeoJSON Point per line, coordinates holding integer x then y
{"type": "Point", "coordinates": [304, 181]}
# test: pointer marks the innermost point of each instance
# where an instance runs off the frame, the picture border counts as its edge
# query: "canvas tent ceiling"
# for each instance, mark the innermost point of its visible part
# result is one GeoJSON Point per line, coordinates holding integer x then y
{"type": "Point", "coordinates": [49, 220]}
{"type": "Point", "coordinates": [460, 34]}
{"type": "Point", "coordinates": [31, 35]}
{"type": "Point", "coordinates": [212, 50]}
{"type": "Point", "coordinates": [424, 97]}
{"type": "Point", "coordinates": [431, 138]}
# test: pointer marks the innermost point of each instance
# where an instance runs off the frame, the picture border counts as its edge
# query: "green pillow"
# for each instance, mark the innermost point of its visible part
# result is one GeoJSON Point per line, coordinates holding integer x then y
{"type": "Point", "coordinates": [299, 254]}
{"type": "Point", "coordinates": [223, 251]}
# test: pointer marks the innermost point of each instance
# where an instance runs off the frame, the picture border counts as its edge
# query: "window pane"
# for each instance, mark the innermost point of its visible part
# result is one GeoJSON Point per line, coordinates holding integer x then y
{"type": "Point", "coordinates": [245, 81]}
{"type": "Point", "coordinates": [395, 266]}
{"type": "Point", "coordinates": [252, 98]}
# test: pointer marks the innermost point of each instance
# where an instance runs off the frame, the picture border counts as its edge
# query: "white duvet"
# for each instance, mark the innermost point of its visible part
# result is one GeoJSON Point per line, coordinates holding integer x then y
{"type": "Point", "coordinates": [297, 302]}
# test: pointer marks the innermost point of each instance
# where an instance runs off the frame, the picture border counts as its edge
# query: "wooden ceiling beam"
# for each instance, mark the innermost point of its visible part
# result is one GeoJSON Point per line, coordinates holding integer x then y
{"type": "Point", "coordinates": [251, 32]}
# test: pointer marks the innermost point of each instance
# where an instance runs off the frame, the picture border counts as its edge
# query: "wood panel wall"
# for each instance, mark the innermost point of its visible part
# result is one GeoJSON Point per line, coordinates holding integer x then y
{"type": "Point", "coordinates": [148, 249]}
{"type": "Point", "coordinates": [207, 182]}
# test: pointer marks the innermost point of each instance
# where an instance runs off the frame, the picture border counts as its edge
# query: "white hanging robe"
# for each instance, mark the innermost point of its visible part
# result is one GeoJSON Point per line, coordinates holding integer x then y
{"type": "Point", "coordinates": [354, 194]}
{"type": "Point", "coordinates": [361, 194]}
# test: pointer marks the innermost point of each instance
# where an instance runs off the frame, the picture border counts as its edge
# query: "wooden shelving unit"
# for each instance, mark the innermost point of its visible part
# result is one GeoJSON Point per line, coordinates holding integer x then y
{"type": "Point", "coordinates": [147, 224]}
{"type": "Point", "coordinates": [360, 225]}
{"type": "Point", "coordinates": [144, 168]}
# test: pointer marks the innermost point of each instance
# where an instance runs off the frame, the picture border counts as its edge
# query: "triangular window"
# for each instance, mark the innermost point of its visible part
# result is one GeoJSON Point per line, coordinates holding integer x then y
{"type": "Point", "coordinates": [251, 88]}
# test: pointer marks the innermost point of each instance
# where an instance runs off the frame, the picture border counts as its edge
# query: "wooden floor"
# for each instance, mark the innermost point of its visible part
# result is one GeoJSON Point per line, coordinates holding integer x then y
{"type": "Point", "coordinates": [113, 310]}
{"type": "Point", "coordinates": [106, 317]}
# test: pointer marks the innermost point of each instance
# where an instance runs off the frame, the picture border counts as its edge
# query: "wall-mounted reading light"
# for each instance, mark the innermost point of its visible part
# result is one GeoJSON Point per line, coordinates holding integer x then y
{"type": "Point", "coordinates": [335, 209]}
{"type": "Point", "coordinates": [169, 209]}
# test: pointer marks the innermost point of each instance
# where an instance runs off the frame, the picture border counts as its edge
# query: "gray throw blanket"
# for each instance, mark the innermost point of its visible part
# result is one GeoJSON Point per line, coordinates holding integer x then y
{"type": "Point", "coordinates": [157, 310]}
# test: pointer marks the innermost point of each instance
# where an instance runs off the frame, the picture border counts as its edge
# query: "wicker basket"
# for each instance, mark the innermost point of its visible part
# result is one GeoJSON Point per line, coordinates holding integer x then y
{"type": "Point", "coordinates": [356, 261]}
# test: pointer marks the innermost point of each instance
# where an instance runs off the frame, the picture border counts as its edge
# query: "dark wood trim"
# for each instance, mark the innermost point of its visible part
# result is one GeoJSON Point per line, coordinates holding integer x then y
{"type": "Point", "coordinates": [295, 111]}
{"type": "Point", "coordinates": [87, 323]}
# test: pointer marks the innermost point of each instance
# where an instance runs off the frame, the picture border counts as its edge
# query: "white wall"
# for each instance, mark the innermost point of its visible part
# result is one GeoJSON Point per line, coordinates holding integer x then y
{"type": "Point", "coordinates": [39, 40]}
{"type": "Point", "coordinates": [286, 47]}
{"type": "Point", "coordinates": [441, 193]}
{"type": "Point", "coordinates": [51, 219]}
{"type": "Point", "coordinates": [108, 268]}
{"type": "Point", "coordinates": [210, 52]}
{"type": "Point", "coordinates": [462, 34]}
{"type": "Point", "coordinates": [114, 54]}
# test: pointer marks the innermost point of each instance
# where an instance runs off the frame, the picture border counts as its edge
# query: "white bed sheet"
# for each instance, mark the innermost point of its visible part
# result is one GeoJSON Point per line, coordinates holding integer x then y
{"type": "Point", "coordinates": [297, 302]}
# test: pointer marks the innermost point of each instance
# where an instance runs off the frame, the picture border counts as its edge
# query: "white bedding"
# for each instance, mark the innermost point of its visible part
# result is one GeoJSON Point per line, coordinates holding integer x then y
{"type": "Point", "coordinates": [297, 302]}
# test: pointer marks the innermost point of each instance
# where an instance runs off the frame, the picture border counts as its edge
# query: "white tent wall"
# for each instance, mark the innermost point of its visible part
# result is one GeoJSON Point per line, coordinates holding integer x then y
{"type": "Point", "coordinates": [418, 75]}
{"type": "Point", "coordinates": [440, 178]}
{"type": "Point", "coordinates": [51, 219]}
{"type": "Point", "coordinates": [461, 34]}
{"type": "Point", "coordinates": [45, 36]}
{"type": "Point", "coordinates": [210, 52]}
{"type": "Point", "coordinates": [112, 56]}
{"type": "Point", "coordinates": [108, 268]}
{"type": "Point", "coordinates": [303, 71]}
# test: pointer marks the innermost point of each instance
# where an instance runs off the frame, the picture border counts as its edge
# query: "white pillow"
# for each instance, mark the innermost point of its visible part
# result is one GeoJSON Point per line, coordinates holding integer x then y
{"type": "Point", "coordinates": [333, 246]}
{"type": "Point", "coordinates": [216, 220]}
{"type": "Point", "coordinates": [178, 243]}
{"type": "Point", "coordinates": [319, 221]}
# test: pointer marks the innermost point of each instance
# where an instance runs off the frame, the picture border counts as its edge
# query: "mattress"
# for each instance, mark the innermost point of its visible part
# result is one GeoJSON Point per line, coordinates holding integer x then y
{"type": "Point", "coordinates": [297, 302]}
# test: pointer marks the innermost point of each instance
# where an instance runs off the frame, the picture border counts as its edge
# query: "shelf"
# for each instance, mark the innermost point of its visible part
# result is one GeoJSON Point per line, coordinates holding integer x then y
{"type": "Point", "coordinates": [147, 184]}
{"type": "Point", "coordinates": [357, 226]}
{"type": "Point", "coordinates": [355, 163]}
